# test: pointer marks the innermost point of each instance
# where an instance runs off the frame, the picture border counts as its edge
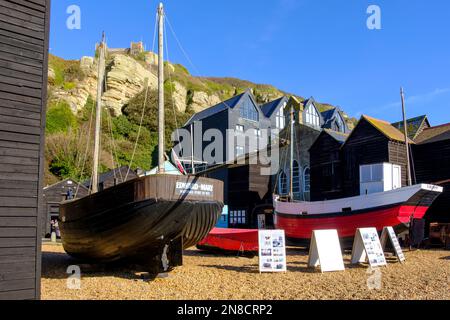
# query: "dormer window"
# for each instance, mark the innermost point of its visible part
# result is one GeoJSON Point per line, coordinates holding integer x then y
{"type": "Point", "coordinates": [248, 111]}
{"type": "Point", "coordinates": [339, 123]}
{"type": "Point", "coordinates": [312, 116]}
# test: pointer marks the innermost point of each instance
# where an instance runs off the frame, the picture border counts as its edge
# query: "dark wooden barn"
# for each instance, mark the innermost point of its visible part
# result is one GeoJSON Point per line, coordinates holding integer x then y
{"type": "Point", "coordinates": [372, 141]}
{"type": "Point", "coordinates": [431, 156]}
{"type": "Point", "coordinates": [326, 166]}
{"type": "Point", "coordinates": [112, 178]}
{"type": "Point", "coordinates": [53, 196]}
{"type": "Point", "coordinates": [24, 30]}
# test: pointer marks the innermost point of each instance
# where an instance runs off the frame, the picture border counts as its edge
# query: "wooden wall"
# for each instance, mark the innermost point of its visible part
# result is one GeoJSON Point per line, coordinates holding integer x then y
{"type": "Point", "coordinates": [432, 165]}
{"type": "Point", "coordinates": [366, 145]}
{"type": "Point", "coordinates": [53, 196]}
{"type": "Point", "coordinates": [24, 30]}
{"type": "Point", "coordinates": [326, 169]}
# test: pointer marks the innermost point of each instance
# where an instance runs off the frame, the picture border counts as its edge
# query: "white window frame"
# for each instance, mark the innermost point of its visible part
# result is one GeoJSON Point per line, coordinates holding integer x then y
{"type": "Point", "coordinates": [306, 186]}
{"type": "Point", "coordinates": [312, 116]}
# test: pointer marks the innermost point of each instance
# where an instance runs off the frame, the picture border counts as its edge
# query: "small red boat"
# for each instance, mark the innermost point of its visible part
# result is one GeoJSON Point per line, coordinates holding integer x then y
{"type": "Point", "coordinates": [240, 241]}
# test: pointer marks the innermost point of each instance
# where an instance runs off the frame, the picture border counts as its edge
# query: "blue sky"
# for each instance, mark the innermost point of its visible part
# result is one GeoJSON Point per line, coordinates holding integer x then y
{"type": "Point", "coordinates": [319, 48]}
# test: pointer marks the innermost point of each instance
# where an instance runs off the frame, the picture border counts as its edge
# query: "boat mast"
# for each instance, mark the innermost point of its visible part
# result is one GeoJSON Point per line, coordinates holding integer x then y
{"type": "Point", "coordinates": [161, 120]}
{"type": "Point", "coordinates": [98, 118]}
{"type": "Point", "coordinates": [291, 188]}
{"type": "Point", "coordinates": [405, 126]}
{"type": "Point", "coordinates": [192, 149]}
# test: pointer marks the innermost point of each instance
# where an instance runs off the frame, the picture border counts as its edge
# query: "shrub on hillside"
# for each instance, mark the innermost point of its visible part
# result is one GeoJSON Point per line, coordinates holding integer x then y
{"type": "Point", "coordinates": [60, 118]}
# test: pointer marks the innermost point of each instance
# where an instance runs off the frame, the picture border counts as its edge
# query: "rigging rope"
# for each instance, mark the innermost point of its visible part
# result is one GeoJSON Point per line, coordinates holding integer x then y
{"type": "Point", "coordinates": [139, 131]}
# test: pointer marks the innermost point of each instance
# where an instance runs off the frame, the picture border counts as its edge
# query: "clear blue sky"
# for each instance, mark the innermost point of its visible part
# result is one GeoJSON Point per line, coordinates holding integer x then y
{"type": "Point", "coordinates": [319, 48]}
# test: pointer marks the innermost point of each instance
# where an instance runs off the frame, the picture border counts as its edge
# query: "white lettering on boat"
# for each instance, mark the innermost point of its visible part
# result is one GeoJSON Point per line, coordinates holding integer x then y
{"type": "Point", "coordinates": [194, 189]}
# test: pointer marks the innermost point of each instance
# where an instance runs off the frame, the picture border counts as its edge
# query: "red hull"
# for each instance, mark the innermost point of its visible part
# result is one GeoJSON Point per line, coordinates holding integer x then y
{"type": "Point", "coordinates": [301, 227]}
{"type": "Point", "coordinates": [231, 240]}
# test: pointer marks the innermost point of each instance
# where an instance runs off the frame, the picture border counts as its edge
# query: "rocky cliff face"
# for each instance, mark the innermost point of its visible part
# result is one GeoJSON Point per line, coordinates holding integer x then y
{"type": "Point", "coordinates": [125, 78]}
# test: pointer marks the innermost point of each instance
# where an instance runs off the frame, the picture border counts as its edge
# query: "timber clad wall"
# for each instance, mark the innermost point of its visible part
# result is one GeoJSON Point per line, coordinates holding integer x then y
{"type": "Point", "coordinates": [24, 29]}
{"type": "Point", "coordinates": [367, 145]}
{"type": "Point", "coordinates": [326, 171]}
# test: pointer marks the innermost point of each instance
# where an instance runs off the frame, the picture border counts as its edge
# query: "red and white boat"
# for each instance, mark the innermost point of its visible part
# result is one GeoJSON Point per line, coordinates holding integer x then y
{"type": "Point", "coordinates": [392, 208]}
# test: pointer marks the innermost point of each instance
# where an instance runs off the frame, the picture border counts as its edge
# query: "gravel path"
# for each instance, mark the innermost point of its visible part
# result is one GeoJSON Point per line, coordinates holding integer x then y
{"type": "Point", "coordinates": [425, 275]}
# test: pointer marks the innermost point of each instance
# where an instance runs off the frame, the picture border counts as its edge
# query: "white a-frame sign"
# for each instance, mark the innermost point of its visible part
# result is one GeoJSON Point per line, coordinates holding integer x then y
{"type": "Point", "coordinates": [325, 250]}
{"type": "Point", "coordinates": [388, 232]}
{"type": "Point", "coordinates": [367, 246]}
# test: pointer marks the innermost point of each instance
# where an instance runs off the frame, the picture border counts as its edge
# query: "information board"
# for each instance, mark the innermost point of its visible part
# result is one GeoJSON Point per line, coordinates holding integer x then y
{"type": "Point", "coordinates": [325, 251]}
{"type": "Point", "coordinates": [272, 251]}
{"type": "Point", "coordinates": [367, 245]}
{"type": "Point", "coordinates": [389, 233]}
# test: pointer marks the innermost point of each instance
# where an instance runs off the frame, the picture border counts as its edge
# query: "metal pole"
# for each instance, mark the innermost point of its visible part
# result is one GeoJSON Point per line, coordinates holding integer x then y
{"type": "Point", "coordinates": [405, 125]}
{"type": "Point", "coordinates": [192, 149]}
{"type": "Point", "coordinates": [98, 117]}
{"type": "Point", "coordinates": [161, 120]}
{"type": "Point", "coordinates": [291, 190]}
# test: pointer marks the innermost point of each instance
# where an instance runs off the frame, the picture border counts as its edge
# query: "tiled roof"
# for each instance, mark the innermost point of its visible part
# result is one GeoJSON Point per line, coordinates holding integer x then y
{"type": "Point", "coordinates": [434, 134]}
{"type": "Point", "coordinates": [387, 129]}
{"type": "Point", "coordinates": [414, 126]}
{"type": "Point", "coordinates": [230, 103]}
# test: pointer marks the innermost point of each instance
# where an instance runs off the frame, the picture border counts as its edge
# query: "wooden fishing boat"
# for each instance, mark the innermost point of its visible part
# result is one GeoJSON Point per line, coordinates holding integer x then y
{"type": "Point", "coordinates": [137, 219]}
{"type": "Point", "coordinates": [393, 208]}
{"type": "Point", "coordinates": [148, 220]}
{"type": "Point", "coordinates": [231, 241]}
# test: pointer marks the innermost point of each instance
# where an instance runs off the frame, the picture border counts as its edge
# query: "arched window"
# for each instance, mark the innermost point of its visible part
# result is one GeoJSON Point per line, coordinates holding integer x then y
{"type": "Point", "coordinates": [248, 111]}
{"type": "Point", "coordinates": [306, 180]}
{"type": "Point", "coordinates": [296, 177]}
{"type": "Point", "coordinates": [283, 183]}
{"type": "Point", "coordinates": [281, 120]}
{"type": "Point", "coordinates": [312, 116]}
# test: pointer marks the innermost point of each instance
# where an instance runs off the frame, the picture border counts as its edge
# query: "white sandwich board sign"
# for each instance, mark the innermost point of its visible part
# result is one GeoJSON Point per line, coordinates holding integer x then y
{"type": "Point", "coordinates": [389, 233]}
{"type": "Point", "coordinates": [325, 251]}
{"type": "Point", "coordinates": [367, 245]}
{"type": "Point", "coordinates": [272, 251]}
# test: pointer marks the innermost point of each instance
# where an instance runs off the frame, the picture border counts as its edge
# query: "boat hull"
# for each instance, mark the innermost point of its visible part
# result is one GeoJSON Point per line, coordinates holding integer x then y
{"type": "Point", "coordinates": [231, 241]}
{"type": "Point", "coordinates": [140, 221]}
{"type": "Point", "coordinates": [397, 211]}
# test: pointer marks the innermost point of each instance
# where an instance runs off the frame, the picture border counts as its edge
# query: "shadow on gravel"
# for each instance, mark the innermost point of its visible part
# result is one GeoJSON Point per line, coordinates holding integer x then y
{"type": "Point", "coordinates": [54, 266]}
{"type": "Point", "coordinates": [240, 269]}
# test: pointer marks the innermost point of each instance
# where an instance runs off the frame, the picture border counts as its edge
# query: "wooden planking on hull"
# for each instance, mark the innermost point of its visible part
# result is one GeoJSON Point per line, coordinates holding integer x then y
{"type": "Point", "coordinates": [137, 219]}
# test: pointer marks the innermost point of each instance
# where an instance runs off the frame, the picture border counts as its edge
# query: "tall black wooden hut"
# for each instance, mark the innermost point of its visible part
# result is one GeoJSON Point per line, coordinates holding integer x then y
{"type": "Point", "coordinates": [372, 141]}
{"type": "Point", "coordinates": [326, 166]}
{"type": "Point", "coordinates": [431, 156]}
{"type": "Point", "coordinates": [24, 30]}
